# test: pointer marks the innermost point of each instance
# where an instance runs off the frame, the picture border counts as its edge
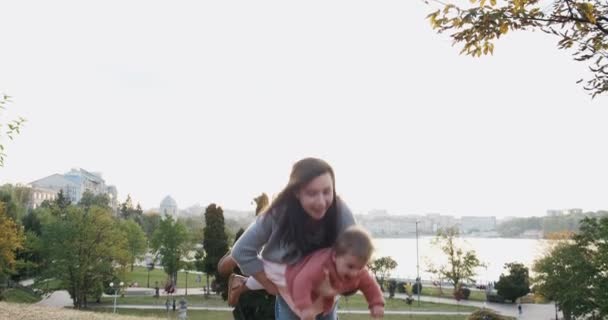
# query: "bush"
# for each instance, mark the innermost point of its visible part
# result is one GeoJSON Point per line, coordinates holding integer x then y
{"type": "Point", "coordinates": [492, 297]}
{"type": "Point", "coordinates": [415, 287]}
{"type": "Point", "coordinates": [485, 314]}
{"type": "Point", "coordinates": [401, 286]}
{"type": "Point", "coordinates": [466, 292]}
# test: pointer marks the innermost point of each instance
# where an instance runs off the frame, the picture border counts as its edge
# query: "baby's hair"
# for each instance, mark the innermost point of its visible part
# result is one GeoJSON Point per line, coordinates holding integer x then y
{"type": "Point", "coordinates": [355, 241]}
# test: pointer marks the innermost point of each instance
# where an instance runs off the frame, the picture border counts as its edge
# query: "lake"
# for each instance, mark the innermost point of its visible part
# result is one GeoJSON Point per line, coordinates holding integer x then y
{"type": "Point", "coordinates": [494, 252]}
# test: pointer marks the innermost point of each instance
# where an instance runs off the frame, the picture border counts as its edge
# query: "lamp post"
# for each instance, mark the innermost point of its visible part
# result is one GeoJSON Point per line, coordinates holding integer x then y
{"type": "Point", "coordinates": [115, 289]}
{"type": "Point", "coordinates": [150, 265]}
{"type": "Point", "coordinates": [418, 284]}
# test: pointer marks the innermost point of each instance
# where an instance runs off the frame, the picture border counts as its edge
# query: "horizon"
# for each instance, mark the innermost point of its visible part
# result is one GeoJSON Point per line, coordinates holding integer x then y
{"type": "Point", "coordinates": [213, 103]}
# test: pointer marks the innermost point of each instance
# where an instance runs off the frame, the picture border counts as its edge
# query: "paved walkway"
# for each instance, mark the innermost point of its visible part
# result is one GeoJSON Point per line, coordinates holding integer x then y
{"type": "Point", "coordinates": [61, 298]}
{"type": "Point", "coordinates": [529, 311]}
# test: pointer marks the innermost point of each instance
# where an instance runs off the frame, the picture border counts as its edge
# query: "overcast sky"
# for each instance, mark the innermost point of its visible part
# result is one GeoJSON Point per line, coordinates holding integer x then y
{"type": "Point", "coordinates": [213, 101]}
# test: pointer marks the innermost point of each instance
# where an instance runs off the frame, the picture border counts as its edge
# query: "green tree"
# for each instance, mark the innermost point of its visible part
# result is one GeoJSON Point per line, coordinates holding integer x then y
{"type": "Point", "coordinates": [566, 276]}
{"type": "Point", "coordinates": [8, 129]}
{"type": "Point", "coordinates": [172, 243]}
{"type": "Point", "coordinates": [136, 242]}
{"type": "Point", "coordinates": [61, 202]}
{"type": "Point", "coordinates": [381, 268]}
{"type": "Point", "coordinates": [515, 284]}
{"type": "Point", "coordinates": [16, 200]}
{"type": "Point", "coordinates": [580, 25]}
{"type": "Point", "coordinates": [150, 223]}
{"type": "Point", "coordinates": [461, 264]}
{"type": "Point", "coordinates": [83, 247]}
{"type": "Point", "coordinates": [215, 244]}
{"type": "Point", "coordinates": [11, 239]}
{"type": "Point", "coordinates": [89, 199]}
{"type": "Point", "coordinates": [593, 241]}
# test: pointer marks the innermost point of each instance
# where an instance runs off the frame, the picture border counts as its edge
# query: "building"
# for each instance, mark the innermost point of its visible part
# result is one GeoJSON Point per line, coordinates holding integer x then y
{"type": "Point", "coordinates": [563, 212]}
{"type": "Point", "coordinates": [74, 184]}
{"type": "Point", "coordinates": [479, 224]}
{"type": "Point", "coordinates": [168, 207]}
{"type": "Point", "coordinates": [39, 195]}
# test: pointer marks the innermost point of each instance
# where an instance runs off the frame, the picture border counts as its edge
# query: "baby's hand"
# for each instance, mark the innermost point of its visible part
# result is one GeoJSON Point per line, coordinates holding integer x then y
{"type": "Point", "coordinates": [377, 311]}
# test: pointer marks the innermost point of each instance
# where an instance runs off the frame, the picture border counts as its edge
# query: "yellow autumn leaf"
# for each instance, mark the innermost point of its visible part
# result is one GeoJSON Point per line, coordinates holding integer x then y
{"type": "Point", "coordinates": [504, 28]}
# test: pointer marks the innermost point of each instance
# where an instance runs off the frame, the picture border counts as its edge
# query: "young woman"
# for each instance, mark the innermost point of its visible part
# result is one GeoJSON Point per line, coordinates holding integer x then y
{"type": "Point", "coordinates": [304, 217]}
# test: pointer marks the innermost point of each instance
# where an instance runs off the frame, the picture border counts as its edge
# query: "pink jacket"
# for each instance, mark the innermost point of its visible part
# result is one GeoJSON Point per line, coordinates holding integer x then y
{"type": "Point", "coordinates": [304, 277]}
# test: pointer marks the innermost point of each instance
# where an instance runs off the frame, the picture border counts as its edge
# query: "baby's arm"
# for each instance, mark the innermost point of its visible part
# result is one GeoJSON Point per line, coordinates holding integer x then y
{"type": "Point", "coordinates": [373, 294]}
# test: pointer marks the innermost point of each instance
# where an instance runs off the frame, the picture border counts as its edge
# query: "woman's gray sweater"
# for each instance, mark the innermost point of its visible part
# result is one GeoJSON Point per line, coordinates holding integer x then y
{"type": "Point", "coordinates": [263, 237]}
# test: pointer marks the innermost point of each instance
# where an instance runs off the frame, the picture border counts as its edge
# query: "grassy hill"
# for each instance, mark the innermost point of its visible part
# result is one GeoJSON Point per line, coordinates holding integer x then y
{"type": "Point", "coordinates": [34, 312]}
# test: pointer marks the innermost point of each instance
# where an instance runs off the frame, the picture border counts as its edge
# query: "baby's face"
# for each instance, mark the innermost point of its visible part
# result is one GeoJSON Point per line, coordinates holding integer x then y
{"type": "Point", "coordinates": [349, 266]}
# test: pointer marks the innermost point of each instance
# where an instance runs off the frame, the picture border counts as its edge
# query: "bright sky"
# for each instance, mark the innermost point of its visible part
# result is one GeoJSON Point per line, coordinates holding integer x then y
{"type": "Point", "coordinates": [213, 101]}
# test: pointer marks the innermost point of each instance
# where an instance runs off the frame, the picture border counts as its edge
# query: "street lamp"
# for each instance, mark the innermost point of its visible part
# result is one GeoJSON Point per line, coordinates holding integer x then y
{"type": "Point", "coordinates": [115, 289]}
{"type": "Point", "coordinates": [150, 266]}
{"type": "Point", "coordinates": [418, 284]}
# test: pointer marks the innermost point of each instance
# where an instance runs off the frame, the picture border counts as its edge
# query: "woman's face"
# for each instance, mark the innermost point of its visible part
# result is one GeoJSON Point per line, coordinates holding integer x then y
{"type": "Point", "coordinates": [316, 196]}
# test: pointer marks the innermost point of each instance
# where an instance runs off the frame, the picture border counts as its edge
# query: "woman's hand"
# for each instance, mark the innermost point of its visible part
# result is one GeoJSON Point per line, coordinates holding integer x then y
{"type": "Point", "coordinates": [377, 312]}
{"type": "Point", "coordinates": [269, 286]}
{"type": "Point", "coordinates": [308, 314]}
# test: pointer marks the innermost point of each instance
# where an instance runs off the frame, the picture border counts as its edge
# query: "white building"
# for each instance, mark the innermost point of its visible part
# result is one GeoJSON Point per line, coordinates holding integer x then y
{"type": "Point", "coordinates": [168, 207]}
{"type": "Point", "coordinates": [74, 183]}
{"type": "Point", "coordinates": [479, 224]}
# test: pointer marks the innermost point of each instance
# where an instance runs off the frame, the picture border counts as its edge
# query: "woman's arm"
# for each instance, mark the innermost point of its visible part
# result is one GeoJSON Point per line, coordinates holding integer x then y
{"type": "Point", "coordinates": [246, 249]}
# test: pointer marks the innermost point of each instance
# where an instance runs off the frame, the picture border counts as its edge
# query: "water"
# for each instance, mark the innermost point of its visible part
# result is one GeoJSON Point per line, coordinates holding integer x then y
{"type": "Point", "coordinates": [494, 252]}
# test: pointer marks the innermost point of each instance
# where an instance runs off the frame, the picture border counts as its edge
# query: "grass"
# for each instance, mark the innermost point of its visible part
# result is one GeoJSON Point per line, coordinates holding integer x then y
{"type": "Point", "coordinates": [19, 296]}
{"type": "Point", "coordinates": [224, 315]}
{"type": "Point", "coordinates": [476, 295]}
{"type": "Point", "coordinates": [48, 285]}
{"type": "Point", "coordinates": [197, 300]}
{"type": "Point", "coordinates": [140, 275]}
{"type": "Point", "coordinates": [355, 302]}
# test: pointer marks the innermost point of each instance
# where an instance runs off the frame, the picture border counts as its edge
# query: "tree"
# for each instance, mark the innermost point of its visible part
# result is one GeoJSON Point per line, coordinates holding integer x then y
{"type": "Point", "coordinates": [16, 200]}
{"type": "Point", "coordinates": [261, 202]}
{"type": "Point", "coordinates": [580, 25]}
{"type": "Point", "coordinates": [61, 202]}
{"type": "Point", "coordinates": [11, 239]}
{"type": "Point", "coordinates": [515, 284]}
{"type": "Point", "coordinates": [172, 243]}
{"type": "Point", "coordinates": [573, 272]}
{"type": "Point", "coordinates": [592, 240]}
{"type": "Point", "coordinates": [566, 276]}
{"type": "Point", "coordinates": [150, 222]}
{"type": "Point", "coordinates": [14, 127]}
{"type": "Point", "coordinates": [89, 199]}
{"type": "Point", "coordinates": [83, 246]}
{"type": "Point", "coordinates": [381, 268]}
{"type": "Point", "coordinates": [215, 244]}
{"type": "Point", "coordinates": [136, 243]}
{"type": "Point", "coordinates": [461, 264]}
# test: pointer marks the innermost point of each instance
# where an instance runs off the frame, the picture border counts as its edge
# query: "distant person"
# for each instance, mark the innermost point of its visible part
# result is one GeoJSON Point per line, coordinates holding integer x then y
{"type": "Point", "coordinates": [519, 308]}
{"type": "Point", "coordinates": [306, 216]}
{"type": "Point", "coordinates": [310, 287]}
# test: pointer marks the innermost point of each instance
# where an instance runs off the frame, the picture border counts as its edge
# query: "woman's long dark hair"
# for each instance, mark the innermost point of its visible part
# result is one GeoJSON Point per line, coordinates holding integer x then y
{"type": "Point", "coordinates": [294, 220]}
